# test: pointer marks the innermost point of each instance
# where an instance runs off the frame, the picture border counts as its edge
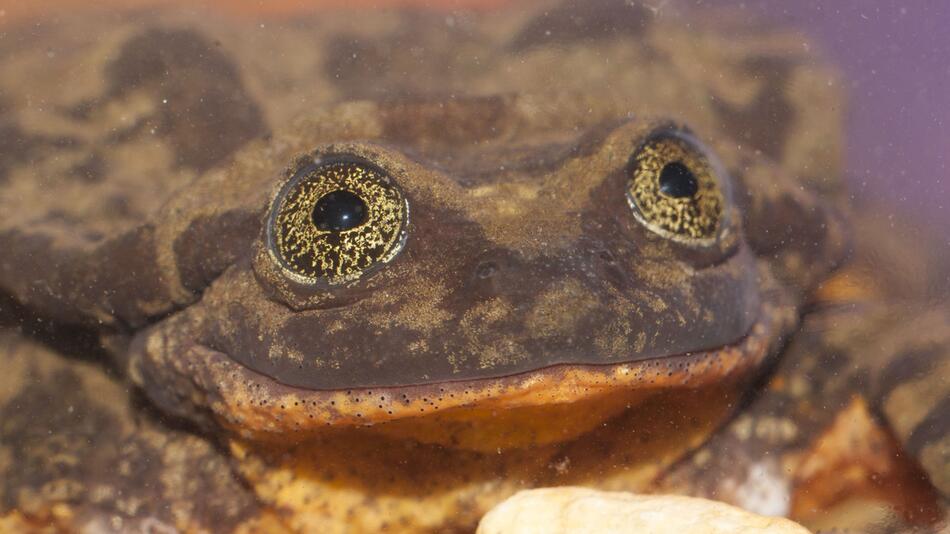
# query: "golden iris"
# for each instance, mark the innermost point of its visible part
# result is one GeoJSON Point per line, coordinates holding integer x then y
{"type": "Point", "coordinates": [336, 219]}
{"type": "Point", "coordinates": [674, 189]}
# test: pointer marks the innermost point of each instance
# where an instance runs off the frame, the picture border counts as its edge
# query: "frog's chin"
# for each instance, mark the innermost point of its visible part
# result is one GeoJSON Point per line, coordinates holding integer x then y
{"type": "Point", "coordinates": [475, 414]}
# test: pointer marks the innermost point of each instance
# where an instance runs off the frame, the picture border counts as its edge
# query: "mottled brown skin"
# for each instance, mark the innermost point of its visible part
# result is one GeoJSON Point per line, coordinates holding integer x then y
{"type": "Point", "coordinates": [866, 373]}
{"type": "Point", "coordinates": [532, 330]}
{"type": "Point", "coordinates": [81, 451]}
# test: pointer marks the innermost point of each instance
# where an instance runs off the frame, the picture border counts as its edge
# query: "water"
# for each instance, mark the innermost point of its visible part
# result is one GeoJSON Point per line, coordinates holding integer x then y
{"type": "Point", "coordinates": [517, 325]}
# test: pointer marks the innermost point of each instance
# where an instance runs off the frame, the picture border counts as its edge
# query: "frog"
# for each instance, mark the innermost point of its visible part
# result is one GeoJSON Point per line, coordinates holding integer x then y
{"type": "Point", "coordinates": [383, 270]}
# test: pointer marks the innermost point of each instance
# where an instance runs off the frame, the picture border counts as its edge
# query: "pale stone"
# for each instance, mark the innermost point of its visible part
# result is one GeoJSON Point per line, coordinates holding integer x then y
{"type": "Point", "coordinates": [582, 510]}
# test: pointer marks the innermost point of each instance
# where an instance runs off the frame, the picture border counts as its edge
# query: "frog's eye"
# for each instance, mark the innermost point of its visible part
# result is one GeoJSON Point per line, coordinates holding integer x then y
{"type": "Point", "coordinates": [336, 219]}
{"type": "Point", "coordinates": [674, 190]}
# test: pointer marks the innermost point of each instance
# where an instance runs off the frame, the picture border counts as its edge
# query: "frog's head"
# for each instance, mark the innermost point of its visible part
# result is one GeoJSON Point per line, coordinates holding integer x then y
{"type": "Point", "coordinates": [451, 269]}
{"type": "Point", "coordinates": [475, 228]}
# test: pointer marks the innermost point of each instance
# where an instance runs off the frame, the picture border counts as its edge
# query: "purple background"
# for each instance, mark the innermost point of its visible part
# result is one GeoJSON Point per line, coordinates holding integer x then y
{"type": "Point", "coordinates": [895, 58]}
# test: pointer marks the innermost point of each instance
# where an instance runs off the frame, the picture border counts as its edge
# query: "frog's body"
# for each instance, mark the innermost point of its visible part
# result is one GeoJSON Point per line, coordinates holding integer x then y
{"type": "Point", "coordinates": [520, 301]}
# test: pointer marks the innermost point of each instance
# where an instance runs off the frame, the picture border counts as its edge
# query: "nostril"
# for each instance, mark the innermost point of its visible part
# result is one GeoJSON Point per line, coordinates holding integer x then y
{"type": "Point", "coordinates": [486, 269]}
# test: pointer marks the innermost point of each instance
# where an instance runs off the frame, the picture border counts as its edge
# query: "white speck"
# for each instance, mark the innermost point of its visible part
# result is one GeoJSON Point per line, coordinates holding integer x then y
{"type": "Point", "coordinates": [164, 101]}
{"type": "Point", "coordinates": [765, 491]}
{"type": "Point", "coordinates": [151, 524]}
{"type": "Point", "coordinates": [655, 9]}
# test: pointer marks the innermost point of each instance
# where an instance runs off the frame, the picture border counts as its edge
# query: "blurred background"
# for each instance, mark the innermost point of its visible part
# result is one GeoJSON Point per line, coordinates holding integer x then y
{"type": "Point", "coordinates": [894, 55]}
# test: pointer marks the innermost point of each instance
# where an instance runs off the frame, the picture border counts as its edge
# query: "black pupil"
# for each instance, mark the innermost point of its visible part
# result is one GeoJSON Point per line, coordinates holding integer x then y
{"type": "Point", "coordinates": [677, 181]}
{"type": "Point", "coordinates": [338, 211]}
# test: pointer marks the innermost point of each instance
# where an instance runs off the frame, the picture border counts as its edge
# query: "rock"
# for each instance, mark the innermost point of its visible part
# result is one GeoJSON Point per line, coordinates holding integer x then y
{"type": "Point", "coordinates": [581, 510]}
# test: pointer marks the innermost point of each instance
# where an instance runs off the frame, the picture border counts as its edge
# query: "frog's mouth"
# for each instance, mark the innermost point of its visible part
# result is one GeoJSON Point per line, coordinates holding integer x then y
{"type": "Point", "coordinates": [255, 405]}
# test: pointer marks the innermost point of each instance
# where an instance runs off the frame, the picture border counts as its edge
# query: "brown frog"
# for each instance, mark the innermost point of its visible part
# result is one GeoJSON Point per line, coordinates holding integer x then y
{"type": "Point", "coordinates": [392, 267]}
